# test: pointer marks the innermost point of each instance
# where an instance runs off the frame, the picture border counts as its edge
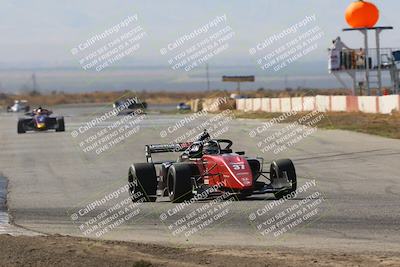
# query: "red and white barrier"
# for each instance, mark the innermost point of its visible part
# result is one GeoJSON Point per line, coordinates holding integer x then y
{"type": "Point", "coordinates": [257, 104]}
{"type": "Point", "coordinates": [241, 104]}
{"type": "Point", "coordinates": [366, 104]}
{"type": "Point", "coordinates": [275, 105]}
{"type": "Point", "coordinates": [266, 104]}
{"type": "Point", "coordinates": [297, 103]}
{"type": "Point", "coordinates": [286, 104]}
{"type": "Point", "coordinates": [323, 103]}
{"type": "Point", "coordinates": [309, 103]}
{"type": "Point", "coordinates": [248, 104]}
{"type": "Point", "coordinates": [389, 103]}
{"type": "Point", "coordinates": [338, 103]}
{"type": "Point", "coordinates": [352, 104]}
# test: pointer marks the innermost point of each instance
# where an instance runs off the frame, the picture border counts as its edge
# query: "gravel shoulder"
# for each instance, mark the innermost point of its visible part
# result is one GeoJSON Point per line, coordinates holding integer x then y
{"type": "Point", "coordinates": [74, 251]}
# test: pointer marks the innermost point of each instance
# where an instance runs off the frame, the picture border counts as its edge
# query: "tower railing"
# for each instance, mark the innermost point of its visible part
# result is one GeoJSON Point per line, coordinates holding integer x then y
{"type": "Point", "coordinates": [355, 59]}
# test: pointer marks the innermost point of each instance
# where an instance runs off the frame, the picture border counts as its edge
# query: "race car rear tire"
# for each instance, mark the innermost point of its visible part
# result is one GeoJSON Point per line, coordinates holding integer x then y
{"type": "Point", "coordinates": [179, 184]}
{"type": "Point", "coordinates": [21, 127]}
{"type": "Point", "coordinates": [278, 168]}
{"type": "Point", "coordinates": [142, 180]}
{"type": "Point", "coordinates": [60, 125]}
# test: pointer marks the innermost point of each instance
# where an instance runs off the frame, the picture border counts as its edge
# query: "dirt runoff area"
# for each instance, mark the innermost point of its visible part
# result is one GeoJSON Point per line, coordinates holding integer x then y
{"type": "Point", "coordinates": [74, 251]}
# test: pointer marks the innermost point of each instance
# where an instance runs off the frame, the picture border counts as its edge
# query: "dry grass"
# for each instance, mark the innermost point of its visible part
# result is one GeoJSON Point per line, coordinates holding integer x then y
{"type": "Point", "coordinates": [61, 98]}
{"type": "Point", "coordinates": [57, 98]}
{"type": "Point", "coordinates": [377, 124]}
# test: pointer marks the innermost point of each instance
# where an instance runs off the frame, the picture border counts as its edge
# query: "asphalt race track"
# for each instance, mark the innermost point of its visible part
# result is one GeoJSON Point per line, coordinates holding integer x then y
{"type": "Point", "coordinates": [357, 179]}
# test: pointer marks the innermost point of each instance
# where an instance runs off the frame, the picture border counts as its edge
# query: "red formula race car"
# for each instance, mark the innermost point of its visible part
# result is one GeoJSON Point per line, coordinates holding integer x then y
{"type": "Point", "coordinates": [208, 164]}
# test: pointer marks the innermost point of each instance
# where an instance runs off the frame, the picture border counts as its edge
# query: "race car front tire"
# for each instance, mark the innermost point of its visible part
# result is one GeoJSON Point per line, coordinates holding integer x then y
{"type": "Point", "coordinates": [277, 169]}
{"type": "Point", "coordinates": [179, 184]}
{"type": "Point", "coordinates": [255, 167]}
{"type": "Point", "coordinates": [142, 180]}
{"type": "Point", "coordinates": [60, 124]}
{"type": "Point", "coordinates": [20, 126]}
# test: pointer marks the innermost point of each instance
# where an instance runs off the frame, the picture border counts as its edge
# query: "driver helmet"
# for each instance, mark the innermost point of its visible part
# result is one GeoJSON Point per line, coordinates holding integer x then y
{"type": "Point", "coordinates": [211, 148]}
{"type": "Point", "coordinates": [204, 136]}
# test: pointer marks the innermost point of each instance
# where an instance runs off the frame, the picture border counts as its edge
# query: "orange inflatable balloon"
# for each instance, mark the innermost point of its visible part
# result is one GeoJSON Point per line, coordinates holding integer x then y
{"type": "Point", "coordinates": [362, 14]}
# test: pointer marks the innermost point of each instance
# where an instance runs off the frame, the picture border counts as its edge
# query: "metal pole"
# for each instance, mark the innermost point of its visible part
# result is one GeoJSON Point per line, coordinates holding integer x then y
{"type": "Point", "coordinates": [208, 78]}
{"type": "Point", "coordinates": [378, 55]}
{"type": "Point", "coordinates": [365, 32]}
{"type": "Point", "coordinates": [34, 84]}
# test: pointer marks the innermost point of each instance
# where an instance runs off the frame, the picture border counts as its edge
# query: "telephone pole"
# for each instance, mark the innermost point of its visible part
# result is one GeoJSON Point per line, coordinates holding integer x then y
{"type": "Point", "coordinates": [208, 78]}
{"type": "Point", "coordinates": [34, 83]}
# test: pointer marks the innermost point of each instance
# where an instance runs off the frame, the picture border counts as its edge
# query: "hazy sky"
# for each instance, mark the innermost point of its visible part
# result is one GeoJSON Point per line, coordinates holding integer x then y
{"type": "Point", "coordinates": [46, 30]}
{"type": "Point", "coordinates": [43, 32]}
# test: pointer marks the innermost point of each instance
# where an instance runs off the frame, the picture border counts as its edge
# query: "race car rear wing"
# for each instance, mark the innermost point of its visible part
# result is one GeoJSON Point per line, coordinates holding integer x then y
{"type": "Point", "coordinates": [164, 148]}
